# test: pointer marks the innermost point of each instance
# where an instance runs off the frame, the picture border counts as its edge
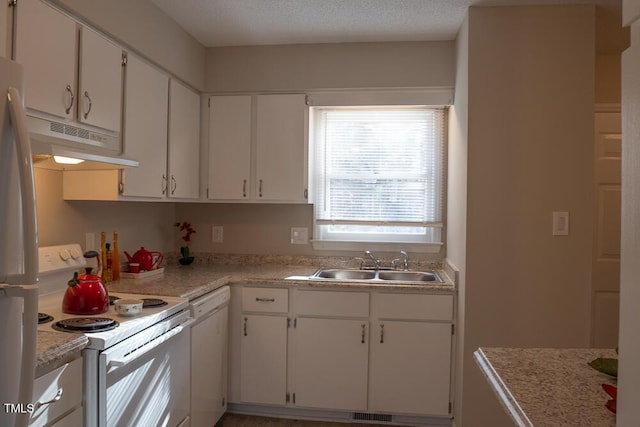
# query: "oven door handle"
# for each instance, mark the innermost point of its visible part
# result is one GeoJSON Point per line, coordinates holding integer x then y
{"type": "Point", "coordinates": [145, 348]}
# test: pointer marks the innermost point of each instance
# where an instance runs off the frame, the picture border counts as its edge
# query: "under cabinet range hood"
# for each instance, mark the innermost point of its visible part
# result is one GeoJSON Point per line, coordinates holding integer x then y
{"type": "Point", "coordinates": [69, 146]}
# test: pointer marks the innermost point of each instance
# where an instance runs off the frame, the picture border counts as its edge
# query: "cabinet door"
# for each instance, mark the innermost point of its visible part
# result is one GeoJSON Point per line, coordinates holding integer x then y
{"type": "Point", "coordinates": [46, 47]}
{"type": "Point", "coordinates": [410, 367]}
{"type": "Point", "coordinates": [281, 165]}
{"type": "Point", "coordinates": [331, 363]}
{"type": "Point", "coordinates": [229, 147]}
{"type": "Point", "coordinates": [184, 142]}
{"type": "Point", "coordinates": [145, 129]}
{"type": "Point", "coordinates": [263, 360]}
{"type": "Point", "coordinates": [100, 88]}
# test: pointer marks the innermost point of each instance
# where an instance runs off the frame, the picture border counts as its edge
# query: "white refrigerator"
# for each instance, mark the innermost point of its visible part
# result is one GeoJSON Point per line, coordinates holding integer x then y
{"type": "Point", "coordinates": [18, 254]}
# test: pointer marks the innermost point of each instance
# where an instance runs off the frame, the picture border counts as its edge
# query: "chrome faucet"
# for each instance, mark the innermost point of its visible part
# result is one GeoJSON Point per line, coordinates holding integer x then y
{"type": "Point", "coordinates": [405, 261]}
{"type": "Point", "coordinates": [376, 261]}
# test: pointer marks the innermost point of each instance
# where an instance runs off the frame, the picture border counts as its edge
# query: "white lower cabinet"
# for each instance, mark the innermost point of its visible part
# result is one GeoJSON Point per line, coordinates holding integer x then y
{"type": "Point", "coordinates": [263, 346]}
{"type": "Point", "coordinates": [410, 367]}
{"type": "Point", "coordinates": [358, 351]}
{"type": "Point", "coordinates": [410, 358]}
{"type": "Point", "coordinates": [57, 396]}
{"type": "Point", "coordinates": [331, 363]}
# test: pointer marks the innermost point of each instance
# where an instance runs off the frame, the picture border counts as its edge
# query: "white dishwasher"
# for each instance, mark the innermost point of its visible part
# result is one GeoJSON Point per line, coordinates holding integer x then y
{"type": "Point", "coordinates": [209, 334]}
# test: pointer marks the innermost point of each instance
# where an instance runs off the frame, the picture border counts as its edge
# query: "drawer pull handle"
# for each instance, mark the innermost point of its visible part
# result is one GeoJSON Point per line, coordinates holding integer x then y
{"type": "Point", "coordinates": [55, 398]}
{"type": "Point", "coordinates": [381, 333]}
{"type": "Point", "coordinates": [265, 299]}
{"type": "Point", "coordinates": [364, 329]}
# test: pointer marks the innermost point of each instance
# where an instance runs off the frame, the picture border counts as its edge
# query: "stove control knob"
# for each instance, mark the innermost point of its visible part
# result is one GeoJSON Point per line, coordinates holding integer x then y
{"type": "Point", "coordinates": [64, 255]}
{"type": "Point", "coordinates": [75, 253]}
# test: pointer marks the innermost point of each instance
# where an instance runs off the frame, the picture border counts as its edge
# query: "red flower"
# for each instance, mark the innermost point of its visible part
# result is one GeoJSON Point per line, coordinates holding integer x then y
{"type": "Point", "coordinates": [187, 228]}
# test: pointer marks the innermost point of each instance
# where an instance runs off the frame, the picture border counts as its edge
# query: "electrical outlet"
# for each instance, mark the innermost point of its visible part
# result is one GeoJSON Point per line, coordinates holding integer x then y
{"type": "Point", "coordinates": [90, 242]}
{"type": "Point", "coordinates": [217, 234]}
{"type": "Point", "coordinates": [299, 235]}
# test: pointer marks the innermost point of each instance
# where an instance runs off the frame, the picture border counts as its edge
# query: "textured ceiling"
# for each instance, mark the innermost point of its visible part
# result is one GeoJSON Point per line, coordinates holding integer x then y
{"type": "Point", "coordinates": [270, 22]}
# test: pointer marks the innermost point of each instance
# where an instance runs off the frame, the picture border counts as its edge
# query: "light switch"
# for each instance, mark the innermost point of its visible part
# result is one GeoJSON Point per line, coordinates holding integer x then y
{"type": "Point", "coordinates": [561, 223]}
{"type": "Point", "coordinates": [299, 235]}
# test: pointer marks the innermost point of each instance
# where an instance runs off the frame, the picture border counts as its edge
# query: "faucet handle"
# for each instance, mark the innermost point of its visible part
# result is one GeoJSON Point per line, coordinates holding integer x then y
{"type": "Point", "coordinates": [394, 263]}
{"type": "Point", "coordinates": [361, 262]}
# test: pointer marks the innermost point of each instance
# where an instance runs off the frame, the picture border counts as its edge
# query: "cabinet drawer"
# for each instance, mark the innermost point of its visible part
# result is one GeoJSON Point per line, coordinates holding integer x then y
{"type": "Point", "coordinates": [332, 303]}
{"type": "Point", "coordinates": [67, 380]}
{"type": "Point", "coordinates": [412, 306]}
{"type": "Point", "coordinates": [265, 300]}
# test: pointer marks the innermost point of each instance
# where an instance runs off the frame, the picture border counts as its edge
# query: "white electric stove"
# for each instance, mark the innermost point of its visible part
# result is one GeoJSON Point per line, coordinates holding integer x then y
{"type": "Point", "coordinates": [143, 355]}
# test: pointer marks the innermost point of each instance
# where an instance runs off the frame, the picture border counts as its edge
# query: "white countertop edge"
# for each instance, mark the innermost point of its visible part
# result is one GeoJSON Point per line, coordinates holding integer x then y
{"type": "Point", "coordinates": [502, 391]}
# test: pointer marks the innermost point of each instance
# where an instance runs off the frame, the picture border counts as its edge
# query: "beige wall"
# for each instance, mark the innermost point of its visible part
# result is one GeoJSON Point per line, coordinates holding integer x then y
{"type": "Point", "coordinates": [330, 66]}
{"type": "Point", "coordinates": [138, 224]}
{"type": "Point", "coordinates": [530, 153]}
{"type": "Point", "coordinates": [147, 30]}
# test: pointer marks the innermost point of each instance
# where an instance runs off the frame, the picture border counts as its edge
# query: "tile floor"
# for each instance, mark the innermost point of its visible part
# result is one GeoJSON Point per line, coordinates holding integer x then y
{"type": "Point", "coordinates": [238, 420]}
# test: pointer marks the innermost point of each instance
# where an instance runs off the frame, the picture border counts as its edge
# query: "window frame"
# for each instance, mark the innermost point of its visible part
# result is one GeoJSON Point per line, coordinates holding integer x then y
{"type": "Point", "coordinates": [321, 243]}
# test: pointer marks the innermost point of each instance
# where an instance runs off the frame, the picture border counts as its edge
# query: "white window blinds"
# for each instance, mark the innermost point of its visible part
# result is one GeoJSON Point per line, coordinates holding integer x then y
{"type": "Point", "coordinates": [378, 173]}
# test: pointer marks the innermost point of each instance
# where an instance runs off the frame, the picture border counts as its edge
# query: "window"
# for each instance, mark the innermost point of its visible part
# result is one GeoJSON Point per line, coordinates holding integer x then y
{"type": "Point", "coordinates": [377, 174]}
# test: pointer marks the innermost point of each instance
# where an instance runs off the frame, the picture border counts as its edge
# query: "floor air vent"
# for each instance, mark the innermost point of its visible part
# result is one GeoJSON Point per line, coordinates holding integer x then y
{"type": "Point", "coordinates": [363, 416]}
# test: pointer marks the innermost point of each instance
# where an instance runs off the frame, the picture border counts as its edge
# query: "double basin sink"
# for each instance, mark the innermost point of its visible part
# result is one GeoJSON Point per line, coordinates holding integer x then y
{"type": "Point", "coordinates": [339, 274]}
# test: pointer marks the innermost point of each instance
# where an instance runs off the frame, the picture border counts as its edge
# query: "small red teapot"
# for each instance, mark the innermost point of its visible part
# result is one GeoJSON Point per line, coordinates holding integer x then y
{"type": "Point", "coordinates": [148, 260]}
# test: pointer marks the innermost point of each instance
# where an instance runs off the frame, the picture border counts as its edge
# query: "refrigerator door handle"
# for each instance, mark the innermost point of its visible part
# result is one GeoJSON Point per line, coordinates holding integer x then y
{"type": "Point", "coordinates": [25, 168]}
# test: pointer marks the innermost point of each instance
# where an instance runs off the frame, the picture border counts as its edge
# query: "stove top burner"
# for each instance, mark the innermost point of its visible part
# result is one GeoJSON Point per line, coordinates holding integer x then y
{"type": "Point", "coordinates": [153, 302]}
{"type": "Point", "coordinates": [85, 324]}
{"type": "Point", "coordinates": [44, 318]}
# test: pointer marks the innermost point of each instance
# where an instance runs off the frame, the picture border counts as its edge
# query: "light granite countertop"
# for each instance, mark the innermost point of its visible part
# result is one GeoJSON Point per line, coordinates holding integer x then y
{"type": "Point", "coordinates": [549, 387]}
{"type": "Point", "coordinates": [196, 280]}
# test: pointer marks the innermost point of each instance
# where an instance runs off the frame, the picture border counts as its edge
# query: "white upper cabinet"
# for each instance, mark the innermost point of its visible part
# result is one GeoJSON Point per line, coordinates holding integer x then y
{"type": "Point", "coordinates": [51, 50]}
{"type": "Point", "coordinates": [229, 147]}
{"type": "Point", "coordinates": [258, 148]}
{"type": "Point", "coordinates": [145, 129]}
{"type": "Point", "coordinates": [184, 142]}
{"type": "Point", "coordinates": [48, 56]}
{"type": "Point", "coordinates": [100, 81]}
{"type": "Point", "coordinates": [281, 164]}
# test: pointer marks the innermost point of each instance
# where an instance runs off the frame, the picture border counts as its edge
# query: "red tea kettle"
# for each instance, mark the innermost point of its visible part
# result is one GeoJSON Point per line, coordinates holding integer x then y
{"type": "Point", "coordinates": [147, 260]}
{"type": "Point", "coordinates": [86, 294]}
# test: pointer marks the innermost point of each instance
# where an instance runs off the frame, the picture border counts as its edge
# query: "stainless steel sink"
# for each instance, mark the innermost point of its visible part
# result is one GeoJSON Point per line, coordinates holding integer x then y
{"type": "Point", "coordinates": [339, 274]}
{"type": "Point", "coordinates": [345, 274]}
{"type": "Point", "coordinates": [409, 276]}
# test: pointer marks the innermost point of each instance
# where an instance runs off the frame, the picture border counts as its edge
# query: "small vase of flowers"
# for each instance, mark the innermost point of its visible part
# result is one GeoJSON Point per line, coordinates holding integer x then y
{"type": "Point", "coordinates": [188, 230]}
